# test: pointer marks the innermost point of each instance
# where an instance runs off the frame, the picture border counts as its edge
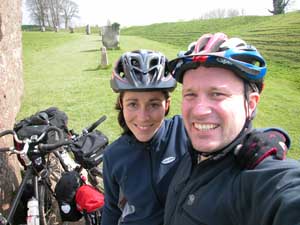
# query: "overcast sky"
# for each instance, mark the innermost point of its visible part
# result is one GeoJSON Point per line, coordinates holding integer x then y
{"type": "Point", "coordinates": [141, 12]}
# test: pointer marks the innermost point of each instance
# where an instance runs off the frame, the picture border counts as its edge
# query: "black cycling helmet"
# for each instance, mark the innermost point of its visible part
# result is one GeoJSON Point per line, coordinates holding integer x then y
{"type": "Point", "coordinates": [216, 50]}
{"type": "Point", "coordinates": [142, 70]}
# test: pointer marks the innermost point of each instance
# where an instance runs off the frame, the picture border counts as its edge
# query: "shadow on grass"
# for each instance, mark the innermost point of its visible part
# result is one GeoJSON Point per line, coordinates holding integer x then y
{"type": "Point", "coordinates": [91, 50]}
{"type": "Point", "coordinates": [99, 67]}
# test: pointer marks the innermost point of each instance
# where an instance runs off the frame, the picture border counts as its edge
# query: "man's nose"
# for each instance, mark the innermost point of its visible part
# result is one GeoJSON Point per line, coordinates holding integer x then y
{"type": "Point", "coordinates": [202, 106]}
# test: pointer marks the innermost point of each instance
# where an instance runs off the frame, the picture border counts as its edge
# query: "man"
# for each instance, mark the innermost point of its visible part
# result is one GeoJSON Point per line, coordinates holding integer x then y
{"type": "Point", "coordinates": [221, 84]}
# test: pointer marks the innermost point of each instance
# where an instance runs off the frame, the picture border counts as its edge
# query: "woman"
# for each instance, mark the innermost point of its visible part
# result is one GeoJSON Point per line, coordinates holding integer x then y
{"type": "Point", "coordinates": [139, 165]}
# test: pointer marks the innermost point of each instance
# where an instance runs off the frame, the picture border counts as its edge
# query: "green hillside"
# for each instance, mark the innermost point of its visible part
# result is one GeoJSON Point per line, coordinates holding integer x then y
{"type": "Point", "coordinates": [278, 40]}
{"type": "Point", "coordinates": [62, 69]}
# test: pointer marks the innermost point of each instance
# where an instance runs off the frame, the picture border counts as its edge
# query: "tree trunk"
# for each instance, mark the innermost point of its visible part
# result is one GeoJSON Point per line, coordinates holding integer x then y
{"type": "Point", "coordinates": [10, 96]}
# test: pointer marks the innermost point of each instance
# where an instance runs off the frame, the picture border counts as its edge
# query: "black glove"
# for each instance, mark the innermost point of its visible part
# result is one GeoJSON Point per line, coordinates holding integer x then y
{"type": "Point", "coordinates": [259, 144]}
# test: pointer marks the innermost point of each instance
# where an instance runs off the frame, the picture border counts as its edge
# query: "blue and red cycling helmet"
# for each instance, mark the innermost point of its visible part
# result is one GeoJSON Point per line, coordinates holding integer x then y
{"type": "Point", "coordinates": [217, 50]}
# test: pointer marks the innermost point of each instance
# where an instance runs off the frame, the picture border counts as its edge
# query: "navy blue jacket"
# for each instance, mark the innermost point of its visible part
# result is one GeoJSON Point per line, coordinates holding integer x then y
{"type": "Point", "coordinates": [220, 193]}
{"type": "Point", "coordinates": [137, 175]}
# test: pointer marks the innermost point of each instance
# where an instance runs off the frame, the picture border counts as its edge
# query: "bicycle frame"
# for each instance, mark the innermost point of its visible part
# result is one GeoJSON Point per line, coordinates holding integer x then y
{"type": "Point", "coordinates": [37, 169]}
{"type": "Point", "coordinates": [28, 175]}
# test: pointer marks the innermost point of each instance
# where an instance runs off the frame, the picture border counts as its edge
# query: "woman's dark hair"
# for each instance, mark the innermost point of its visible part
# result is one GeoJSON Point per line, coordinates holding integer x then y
{"type": "Point", "coordinates": [121, 118]}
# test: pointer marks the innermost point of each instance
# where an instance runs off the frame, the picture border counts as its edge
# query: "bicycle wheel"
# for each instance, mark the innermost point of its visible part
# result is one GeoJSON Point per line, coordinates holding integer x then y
{"type": "Point", "coordinates": [48, 206]}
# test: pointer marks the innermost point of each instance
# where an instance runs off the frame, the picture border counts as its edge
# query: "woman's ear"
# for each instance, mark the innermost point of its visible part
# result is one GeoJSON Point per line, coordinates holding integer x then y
{"type": "Point", "coordinates": [168, 103]}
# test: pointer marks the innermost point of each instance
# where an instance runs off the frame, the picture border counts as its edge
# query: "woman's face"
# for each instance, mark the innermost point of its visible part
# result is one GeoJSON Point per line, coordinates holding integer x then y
{"type": "Point", "coordinates": [144, 112]}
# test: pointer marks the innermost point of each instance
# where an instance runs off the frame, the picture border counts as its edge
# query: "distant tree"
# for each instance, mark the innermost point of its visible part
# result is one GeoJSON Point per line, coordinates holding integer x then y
{"type": "Point", "coordinates": [216, 13]}
{"type": "Point", "coordinates": [242, 12]}
{"type": "Point", "coordinates": [279, 6]}
{"type": "Point", "coordinates": [37, 10]}
{"type": "Point", "coordinates": [70, 10]}
{"type": "Point", "coordinates": [221, 13]}
{"type": "Point", "coordinates": [52, 12]}
{"type": "Point", "coordinates": [55, 10]}
{"type": "Point", "coordinates": [232, 12]}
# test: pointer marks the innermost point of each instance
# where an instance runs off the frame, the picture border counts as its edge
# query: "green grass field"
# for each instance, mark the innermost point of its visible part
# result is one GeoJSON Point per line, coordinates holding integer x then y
{"type": "Point", "coordinates": [63, 69]}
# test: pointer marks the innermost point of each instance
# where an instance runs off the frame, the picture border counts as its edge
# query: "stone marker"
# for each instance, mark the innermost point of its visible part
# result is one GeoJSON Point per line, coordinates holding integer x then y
{"type": "Point", "coordinates": [43, 29]}
{"type": "Point", "coordinates": [56, 28]}
{"type": "Point", "coordinates": [110, 37]}
{"type": "Point", "coordinates": [88, 29]}
{"type": "Point", "coordinates": [104, 59]}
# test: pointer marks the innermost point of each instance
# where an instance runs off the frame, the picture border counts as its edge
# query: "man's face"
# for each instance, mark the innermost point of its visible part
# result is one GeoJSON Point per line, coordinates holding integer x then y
{"type": "Point", "coordinates": [213, 107]}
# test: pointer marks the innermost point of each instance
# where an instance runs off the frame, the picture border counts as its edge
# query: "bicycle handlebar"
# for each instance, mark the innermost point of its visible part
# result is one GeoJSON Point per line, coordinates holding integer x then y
{"type": "Point", "coordinates": [49, 147]}
{"type": "Point", "coordinates": [61, 142]}
{"type": "Point", "coordinates": [6, 132]}
{"type": "Point", "coordinates": [3, 133]}
{"type": "Point", "coordinates": [94, 125]}
{"type": "Point", "coordinates": [12, 132]}
{"type": "Point", "coordinates": [42, 147]}
{"type": "Point", "coordinates": [6, 149]}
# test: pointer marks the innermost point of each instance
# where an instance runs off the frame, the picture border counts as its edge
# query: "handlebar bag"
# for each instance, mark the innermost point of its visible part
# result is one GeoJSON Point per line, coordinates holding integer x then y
{"type": "Point", "coordinates": [65, 191]}
{"type": "Point", "coordinates": [88, 149]}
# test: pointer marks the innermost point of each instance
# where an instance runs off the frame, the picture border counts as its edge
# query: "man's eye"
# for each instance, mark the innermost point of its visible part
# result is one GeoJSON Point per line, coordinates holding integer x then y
{"type": "Point", "coordinates": [217, 94]}
{"type": "Point", "coordinates": [189, 94]}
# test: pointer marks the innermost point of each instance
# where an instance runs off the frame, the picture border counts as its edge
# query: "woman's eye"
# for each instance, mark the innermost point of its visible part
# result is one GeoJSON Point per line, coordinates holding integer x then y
{"type": "Point", "coordinates": [155, 105]}
{"type": "Point", "coordinates": [132, 105]}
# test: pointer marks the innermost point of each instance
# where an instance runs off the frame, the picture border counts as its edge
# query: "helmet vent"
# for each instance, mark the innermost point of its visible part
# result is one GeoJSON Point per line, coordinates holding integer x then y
{"type": "Point", "coordinates": [135, 63]}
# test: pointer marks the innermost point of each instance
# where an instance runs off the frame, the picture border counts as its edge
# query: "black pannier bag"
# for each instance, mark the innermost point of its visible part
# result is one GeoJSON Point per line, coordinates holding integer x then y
{"type": "Point", "coordinates": [88, 149]}
{"type": "Point", "coordinates": [40, 121]}
{"type": "Point", "coordinates": [65, 191]}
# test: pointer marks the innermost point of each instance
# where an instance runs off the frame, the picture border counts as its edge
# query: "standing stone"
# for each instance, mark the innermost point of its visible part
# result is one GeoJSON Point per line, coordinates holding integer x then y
{"type": "Point", "coordinates": [71, 30]}
{"type": "Point", "coordinates": [11, 90]}
{"type": "Point", "coordinates": [110, 36]}
{"type": "Point", "coordinates": [43, 29]}
{"type": "Point", "coordinates": [56, 28]}
{"type": "Point", "coordinates": [104, 59]}
{"type": "Point", "coordinates": [88, 29]}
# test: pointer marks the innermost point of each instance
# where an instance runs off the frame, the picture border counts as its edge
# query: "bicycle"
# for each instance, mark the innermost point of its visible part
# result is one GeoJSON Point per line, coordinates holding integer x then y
{"type": "Point", "coordinates": [37, 173]}
{"type": "Point", "coordinates": [33, 151]}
